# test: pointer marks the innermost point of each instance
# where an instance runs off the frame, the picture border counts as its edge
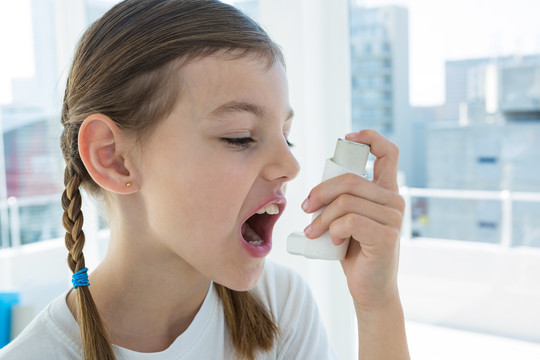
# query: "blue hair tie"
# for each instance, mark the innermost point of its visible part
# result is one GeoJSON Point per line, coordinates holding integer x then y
{"type": "Point", "coordinates": [80, 278]}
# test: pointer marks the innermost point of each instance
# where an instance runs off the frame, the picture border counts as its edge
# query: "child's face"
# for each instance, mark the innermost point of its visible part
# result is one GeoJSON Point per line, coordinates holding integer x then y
{"type": "Point", "coordinates": [199, 188]}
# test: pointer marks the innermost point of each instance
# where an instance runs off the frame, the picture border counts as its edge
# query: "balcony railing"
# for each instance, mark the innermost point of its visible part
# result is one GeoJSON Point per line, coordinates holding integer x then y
{"type": "Point", "coordinates": [30, 219]}
{"type": "Point", "coordinates": [507, 200]}
{"type": "Point", "coordinates": [33, 219]}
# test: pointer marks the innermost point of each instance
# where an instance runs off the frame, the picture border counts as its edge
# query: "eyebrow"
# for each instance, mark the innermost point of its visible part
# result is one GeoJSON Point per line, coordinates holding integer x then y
{"type": "Point", "coordinates": [240, 107]}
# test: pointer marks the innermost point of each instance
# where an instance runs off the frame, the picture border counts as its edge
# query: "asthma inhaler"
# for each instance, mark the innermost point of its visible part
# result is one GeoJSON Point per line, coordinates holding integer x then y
{"type": "Point", "coordinates": [349, 157]}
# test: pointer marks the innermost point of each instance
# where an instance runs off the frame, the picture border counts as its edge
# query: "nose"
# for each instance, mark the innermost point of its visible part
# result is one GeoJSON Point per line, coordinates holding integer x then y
{"type": "Point", "coordinates": [282, 164]}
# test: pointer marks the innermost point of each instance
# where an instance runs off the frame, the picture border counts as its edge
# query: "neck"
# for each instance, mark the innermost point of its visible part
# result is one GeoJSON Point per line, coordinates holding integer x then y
{"type": "Point", "coordinates": [145, 297]}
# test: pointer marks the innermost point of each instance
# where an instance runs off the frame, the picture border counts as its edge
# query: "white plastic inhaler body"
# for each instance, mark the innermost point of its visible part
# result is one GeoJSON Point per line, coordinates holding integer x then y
{"type": "Point", "coordinates": [349, 157]}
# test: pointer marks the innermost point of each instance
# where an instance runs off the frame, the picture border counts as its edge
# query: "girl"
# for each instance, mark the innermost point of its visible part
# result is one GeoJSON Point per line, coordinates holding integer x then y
{"type": "Point", "coordinates": [176, 115]}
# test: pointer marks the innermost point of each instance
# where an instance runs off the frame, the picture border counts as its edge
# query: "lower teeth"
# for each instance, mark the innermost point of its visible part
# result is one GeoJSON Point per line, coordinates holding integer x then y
{"type": "Point", "coordinates": [256, 239]}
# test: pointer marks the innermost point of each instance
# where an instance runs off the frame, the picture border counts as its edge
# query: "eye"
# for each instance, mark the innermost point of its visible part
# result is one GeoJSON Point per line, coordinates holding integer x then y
{"type": "Point", "coordinates": [242, 143]}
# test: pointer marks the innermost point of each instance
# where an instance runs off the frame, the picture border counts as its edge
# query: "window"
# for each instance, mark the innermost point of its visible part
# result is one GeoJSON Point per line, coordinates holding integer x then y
{"type": "Point", "coordinates": [463, 107]}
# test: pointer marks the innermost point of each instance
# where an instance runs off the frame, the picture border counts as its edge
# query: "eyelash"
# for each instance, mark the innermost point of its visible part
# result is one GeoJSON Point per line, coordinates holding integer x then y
{"type": "Point", "coordinates": [244, 142]}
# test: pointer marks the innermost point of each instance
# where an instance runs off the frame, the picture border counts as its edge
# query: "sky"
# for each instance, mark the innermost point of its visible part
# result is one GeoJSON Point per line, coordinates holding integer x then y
{"type": "Point", "coordinates": [439, 30]}
{"type": "Point", "coordinates": [15, 19]}
{"type": "Point", "coordinates": [442, 30]}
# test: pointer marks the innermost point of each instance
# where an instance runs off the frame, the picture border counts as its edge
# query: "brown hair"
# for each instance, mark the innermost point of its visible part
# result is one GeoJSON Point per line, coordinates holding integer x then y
{"type": "Point", "coordinates": [122, 68]}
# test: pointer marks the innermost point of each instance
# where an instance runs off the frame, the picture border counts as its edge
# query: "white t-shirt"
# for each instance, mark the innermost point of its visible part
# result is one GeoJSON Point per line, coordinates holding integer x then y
{"type": "Point", "coordinates": [54, 333]}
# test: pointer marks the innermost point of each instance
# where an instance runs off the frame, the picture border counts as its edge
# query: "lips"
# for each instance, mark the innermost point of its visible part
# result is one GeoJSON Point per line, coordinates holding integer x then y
{"type": "Point", "coordinates": [262, 225]}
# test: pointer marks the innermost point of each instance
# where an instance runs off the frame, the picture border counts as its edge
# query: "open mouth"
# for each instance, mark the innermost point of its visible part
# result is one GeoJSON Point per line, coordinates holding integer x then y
{"type": "Point", "coordinates": [254, 230]}
{"type": "Point", "coordinates": [257, 229]}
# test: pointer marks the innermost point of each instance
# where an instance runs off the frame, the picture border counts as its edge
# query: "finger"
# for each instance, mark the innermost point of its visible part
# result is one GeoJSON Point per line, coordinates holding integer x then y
{"type": "Point", "coordinates": [345, 204]}
{"type": "Point", "coordinates": [372, 236]}
{"type": "Point", "coordinates": [352, 184]}
{"type": "Point", "coordinates": [386, 152]}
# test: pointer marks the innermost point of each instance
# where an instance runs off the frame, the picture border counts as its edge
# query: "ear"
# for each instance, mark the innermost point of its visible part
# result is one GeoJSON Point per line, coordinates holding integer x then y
{"type": "Point", "coordinates": [102, 148]}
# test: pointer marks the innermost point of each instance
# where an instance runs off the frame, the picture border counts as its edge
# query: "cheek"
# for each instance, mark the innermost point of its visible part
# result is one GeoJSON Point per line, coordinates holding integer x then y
{"type": "Point", "coordinates": [216, 192]}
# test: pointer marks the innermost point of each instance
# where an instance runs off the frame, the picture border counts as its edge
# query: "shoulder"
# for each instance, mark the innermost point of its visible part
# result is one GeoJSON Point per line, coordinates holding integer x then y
{"type": "Point", "coordinates": [289, 299]}
{"type": "Point", "coordinates": [53, 334]}
{"type": "Point", "coordinates": [280, 288]}
{"type": "Point", "coordinates": [277, 274]}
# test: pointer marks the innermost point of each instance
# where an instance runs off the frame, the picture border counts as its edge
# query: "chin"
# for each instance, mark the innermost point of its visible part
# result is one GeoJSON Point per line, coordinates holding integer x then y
{"type": "Point", "coordinates": [243, 280]}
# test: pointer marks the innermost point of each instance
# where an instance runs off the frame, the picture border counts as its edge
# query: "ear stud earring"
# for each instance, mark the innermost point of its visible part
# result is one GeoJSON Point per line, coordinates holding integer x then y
{"type": "Point", "coordinates": [128, 184]}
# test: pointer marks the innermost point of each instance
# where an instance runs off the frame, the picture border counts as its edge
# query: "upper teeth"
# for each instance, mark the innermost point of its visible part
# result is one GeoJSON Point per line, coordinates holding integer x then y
{"type": "Point", "coordinates": [269, 209]}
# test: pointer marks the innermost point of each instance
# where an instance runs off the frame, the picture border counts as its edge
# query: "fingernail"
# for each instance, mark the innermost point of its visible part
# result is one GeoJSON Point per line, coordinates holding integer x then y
{"type": "Point", "coordinates": [350, 135]}
{"type": "Point", "coordinates": [305, 204]}
{"type": "Point", "coordinates": [308, 230]}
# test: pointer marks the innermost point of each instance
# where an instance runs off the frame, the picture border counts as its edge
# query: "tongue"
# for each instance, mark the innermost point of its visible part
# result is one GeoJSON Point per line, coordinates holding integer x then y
{"type": "Point", "coordinates": [251, 236]}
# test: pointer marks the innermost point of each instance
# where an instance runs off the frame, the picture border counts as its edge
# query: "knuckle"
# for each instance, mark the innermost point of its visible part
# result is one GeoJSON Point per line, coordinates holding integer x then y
{"type": "Point", "coordinates": [368, 132]}
{"type": "Point", "coordinates": [394, 149]}
{"type": "Point", "coordinates": [350, 178]}
{"type": "Point", "coordinates": [334, 231]}
{"type": "Point", "coordinates": [351, 181]}
{"type": "Point", "coordinates": [390, 235]}
{"type": "Point", "coordinates": [396, 217]}
{"type": "Point", "coordinates": [397, 235]}
{"type": "Point", "coordinates": [338, 227]}
{"type": "Point", "coordinates": [344, 226]}
{"type": "Point", "coordinates": [322, 219]}
{"type": "Point", "coordinates": [342, 201]}
{"type": "Point", "coordinates": [400, 203]}
{"type": "Point", "coordinates": [350, 221]}
{"type": "Point", "coordinates": [314, 195]}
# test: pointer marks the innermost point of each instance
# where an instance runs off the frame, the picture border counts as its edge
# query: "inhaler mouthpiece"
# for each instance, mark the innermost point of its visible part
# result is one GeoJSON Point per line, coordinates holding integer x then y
{"type": "Point", "coordinates": [349, 157]}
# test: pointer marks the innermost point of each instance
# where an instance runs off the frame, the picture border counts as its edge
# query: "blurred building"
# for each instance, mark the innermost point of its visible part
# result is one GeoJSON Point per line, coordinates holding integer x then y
{"type": "Point", "coordinates": [492, 144]}
{"type": "Point", "coordinates": [380, 74]}
{"type": "Point", "coordinates": [469, 82]}
{"type": "Point", "coordinates": [33, 165]}
{"type": "Point", "coordinates": [379, 67]}
{"type": "Point", "coordinates": [33, 173]}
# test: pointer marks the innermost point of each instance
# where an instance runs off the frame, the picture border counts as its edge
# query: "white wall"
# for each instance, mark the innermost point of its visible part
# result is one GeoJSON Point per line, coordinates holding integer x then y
{"type": "Point", "coordinates": [314, 36]}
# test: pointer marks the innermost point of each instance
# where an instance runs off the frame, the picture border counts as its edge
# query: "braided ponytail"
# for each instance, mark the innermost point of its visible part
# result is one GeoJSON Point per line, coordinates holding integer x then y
{"type": "Point", "coordinates": [93, 335]}
{"type": "Point", "coordinates": [123, 69]}
{"type": "Point", "coordinates": [250, 324]}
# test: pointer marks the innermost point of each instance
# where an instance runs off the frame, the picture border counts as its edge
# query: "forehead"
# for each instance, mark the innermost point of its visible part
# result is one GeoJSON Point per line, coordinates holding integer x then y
{"type": "Point", "coordinates": [212, 81]}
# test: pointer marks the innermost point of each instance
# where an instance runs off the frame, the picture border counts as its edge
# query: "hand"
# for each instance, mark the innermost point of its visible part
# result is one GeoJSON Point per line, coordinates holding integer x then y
{"type": "Point", "coordinates": [371, 214]}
